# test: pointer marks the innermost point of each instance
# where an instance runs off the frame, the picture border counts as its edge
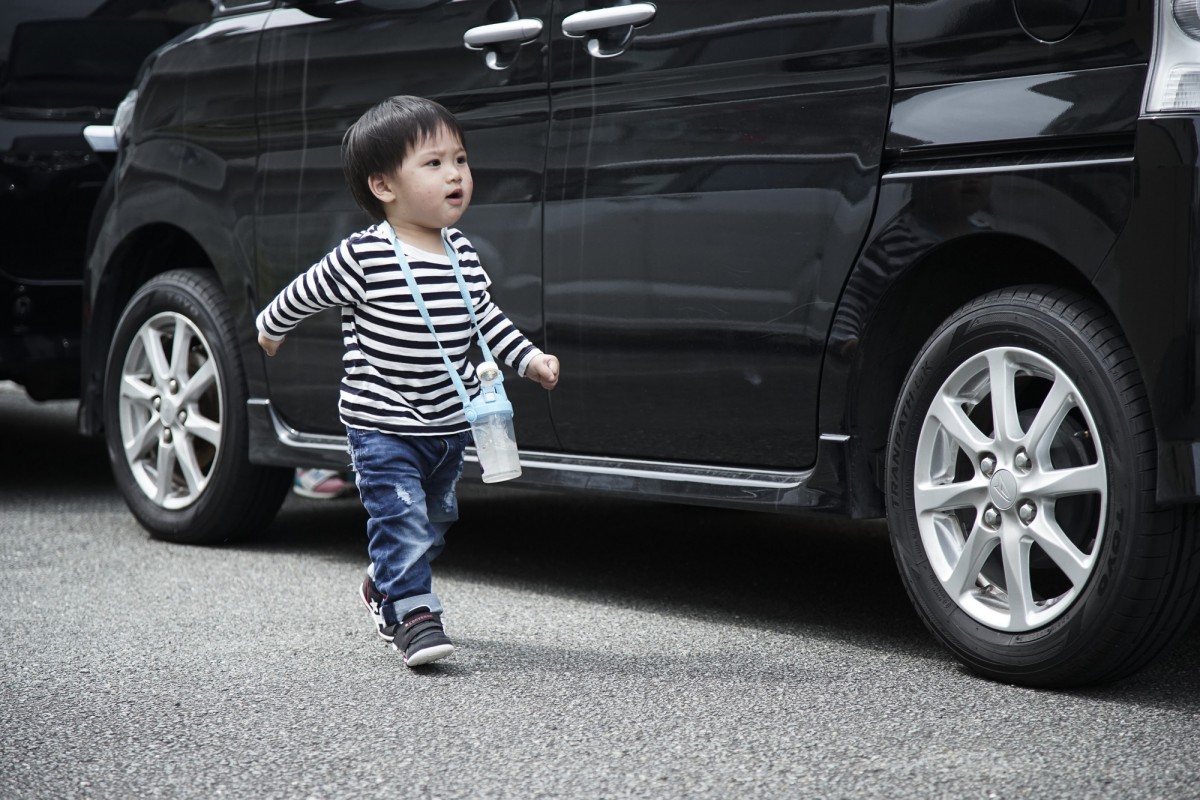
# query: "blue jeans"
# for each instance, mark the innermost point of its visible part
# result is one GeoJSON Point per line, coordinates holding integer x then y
{"type": "Point", "coordinates": [407, 484]}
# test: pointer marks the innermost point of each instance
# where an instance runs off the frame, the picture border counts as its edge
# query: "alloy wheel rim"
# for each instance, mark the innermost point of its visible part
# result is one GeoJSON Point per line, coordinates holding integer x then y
{"type": "Point", "coordinates": [1010, 489]}
{"type": "Point", "coordinates": [169, 409]}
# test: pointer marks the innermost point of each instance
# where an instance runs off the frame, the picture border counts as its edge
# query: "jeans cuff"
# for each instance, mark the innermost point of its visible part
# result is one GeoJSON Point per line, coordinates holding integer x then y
{"type": "Point", "coordinates": [400, 607]}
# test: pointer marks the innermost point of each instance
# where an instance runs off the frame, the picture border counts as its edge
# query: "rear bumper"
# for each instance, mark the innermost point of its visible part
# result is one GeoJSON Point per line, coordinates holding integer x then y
{"type": "Point", "coordinates": [1149, 280]}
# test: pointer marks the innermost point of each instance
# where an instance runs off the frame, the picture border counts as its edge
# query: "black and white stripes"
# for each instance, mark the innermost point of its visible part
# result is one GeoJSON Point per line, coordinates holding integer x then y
{"type": "Point", "coordinates": [395, 380]}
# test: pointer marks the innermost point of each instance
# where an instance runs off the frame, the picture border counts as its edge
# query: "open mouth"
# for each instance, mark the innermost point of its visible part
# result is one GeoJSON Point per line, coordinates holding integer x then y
{"type": "Point", "coordinates": [455, 195]}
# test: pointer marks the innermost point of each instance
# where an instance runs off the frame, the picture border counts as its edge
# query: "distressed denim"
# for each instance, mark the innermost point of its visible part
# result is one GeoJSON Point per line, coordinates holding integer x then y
{"type": "Point", "coordinates": [407, 484]}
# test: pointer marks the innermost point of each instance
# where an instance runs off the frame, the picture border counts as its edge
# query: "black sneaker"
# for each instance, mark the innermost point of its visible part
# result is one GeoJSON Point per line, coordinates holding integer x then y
{"type": "Point", "coordinates": [420, 637]}
{"type": "Point", "coordinates": [373, 599]}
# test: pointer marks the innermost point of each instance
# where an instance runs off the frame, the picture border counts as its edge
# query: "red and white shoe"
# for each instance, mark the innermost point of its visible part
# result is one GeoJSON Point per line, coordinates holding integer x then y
{"type": "Point", "coordinates": [321, 484]}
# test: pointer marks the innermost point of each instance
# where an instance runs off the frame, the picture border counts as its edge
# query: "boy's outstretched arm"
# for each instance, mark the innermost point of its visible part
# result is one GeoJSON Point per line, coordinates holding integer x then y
{"type": "Point", "coordinates": [543, 369]}
{"type": "Point", "coordinates": [335, 280]}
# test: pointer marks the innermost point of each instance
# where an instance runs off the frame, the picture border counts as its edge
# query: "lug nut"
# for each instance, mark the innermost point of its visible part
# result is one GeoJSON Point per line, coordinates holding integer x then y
{"type": "Point", "coordinates": [173, 385]}
{"type": "Point", "coordinates": [991, 517]}
{"type": "Point", "coordinates": [988, 465]}
{"type": "Point", "coordinates": [183, 416]}
{"type": "Point", "coordinates": [157, 403]}
{"type": "Point", "coordinates": [1026, 512]}
{"type": "Point", "coordinates": [1022, 461]}
{"type": "Point", "coordinates": [166, 435]}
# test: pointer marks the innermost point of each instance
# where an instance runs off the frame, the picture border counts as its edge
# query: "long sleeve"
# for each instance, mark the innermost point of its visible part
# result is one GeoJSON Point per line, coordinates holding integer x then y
{"type": "Point", "coordinates": [336, 280]}
{"type": "Point", "coordinates": [507, 343]}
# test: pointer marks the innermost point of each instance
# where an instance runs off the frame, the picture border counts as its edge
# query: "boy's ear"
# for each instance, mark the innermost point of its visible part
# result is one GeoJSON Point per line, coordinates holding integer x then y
{"type": "Point", "coordinates": [381, 186]}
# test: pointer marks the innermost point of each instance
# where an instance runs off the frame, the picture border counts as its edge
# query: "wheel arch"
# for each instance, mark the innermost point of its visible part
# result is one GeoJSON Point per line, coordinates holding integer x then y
{"type": "Point", "coordinates": [866, 365]}
{"type": "Point", "coordinates": [142, 254]}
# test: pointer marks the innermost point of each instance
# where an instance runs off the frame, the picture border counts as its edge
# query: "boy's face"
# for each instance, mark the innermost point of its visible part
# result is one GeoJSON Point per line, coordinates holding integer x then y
{"type": "Point", "coordinates": [430, 189]}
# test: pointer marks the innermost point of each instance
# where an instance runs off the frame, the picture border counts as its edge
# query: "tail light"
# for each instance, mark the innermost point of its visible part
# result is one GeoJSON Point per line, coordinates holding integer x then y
{"type": "Point", "coordinates": [1174, 83]}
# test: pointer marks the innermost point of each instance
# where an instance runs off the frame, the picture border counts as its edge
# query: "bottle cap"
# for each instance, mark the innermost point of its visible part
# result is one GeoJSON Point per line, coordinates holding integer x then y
{"type": "Point", "coordinates": [488, 371]}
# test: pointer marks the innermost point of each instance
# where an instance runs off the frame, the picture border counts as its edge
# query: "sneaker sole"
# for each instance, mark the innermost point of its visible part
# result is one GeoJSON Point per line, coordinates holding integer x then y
{"type": "Point", "coordinates": [429, 655]}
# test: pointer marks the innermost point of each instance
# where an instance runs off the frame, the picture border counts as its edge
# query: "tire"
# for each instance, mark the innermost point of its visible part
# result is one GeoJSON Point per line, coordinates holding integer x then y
{"type": "Point", "coordinates": [1029, 541]}
{"type": "Point", "coordinates": [175, 416]}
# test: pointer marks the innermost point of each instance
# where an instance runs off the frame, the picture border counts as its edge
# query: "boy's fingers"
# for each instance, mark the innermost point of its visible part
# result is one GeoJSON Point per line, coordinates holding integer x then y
{"type": "Point", "coordinates": [551, 371]}
{"type": "Point", "coordinates": [544, 370]}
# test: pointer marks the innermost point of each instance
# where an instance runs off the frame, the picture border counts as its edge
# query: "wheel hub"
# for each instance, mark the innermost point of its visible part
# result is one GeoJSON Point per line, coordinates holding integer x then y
{"type": "Point", "coordinates": [169, 410]}
{"type": "Point", "coordinates": [1002, 489]}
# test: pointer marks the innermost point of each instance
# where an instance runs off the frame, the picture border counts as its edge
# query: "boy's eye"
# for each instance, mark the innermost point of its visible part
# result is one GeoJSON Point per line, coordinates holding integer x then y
{"type": "Point", "coordinates": [437, 162]}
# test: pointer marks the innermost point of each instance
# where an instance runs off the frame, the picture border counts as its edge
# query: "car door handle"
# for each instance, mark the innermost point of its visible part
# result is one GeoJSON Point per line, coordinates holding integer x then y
{"type": "Point", "coordinates": [517, 30]}
{"type": "Point", "coordinates": [581, 23]}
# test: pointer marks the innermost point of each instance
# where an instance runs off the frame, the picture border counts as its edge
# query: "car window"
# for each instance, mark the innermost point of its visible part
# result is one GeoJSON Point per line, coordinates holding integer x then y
{"type": "Point", "coordinates": [56, 63]}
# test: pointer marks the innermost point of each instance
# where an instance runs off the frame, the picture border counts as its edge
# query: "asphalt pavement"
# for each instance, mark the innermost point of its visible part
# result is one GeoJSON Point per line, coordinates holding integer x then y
{"type": "Point", "coordinates": [607, 649]}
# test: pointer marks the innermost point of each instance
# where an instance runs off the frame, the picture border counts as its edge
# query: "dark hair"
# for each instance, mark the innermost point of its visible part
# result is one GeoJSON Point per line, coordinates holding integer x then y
{"type": "Point", "coordinates": [377, 143]}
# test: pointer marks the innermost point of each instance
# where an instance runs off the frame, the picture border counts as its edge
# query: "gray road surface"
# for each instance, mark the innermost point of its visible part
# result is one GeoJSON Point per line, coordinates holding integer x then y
{"type": "Point", "coordinates": [608, 649]}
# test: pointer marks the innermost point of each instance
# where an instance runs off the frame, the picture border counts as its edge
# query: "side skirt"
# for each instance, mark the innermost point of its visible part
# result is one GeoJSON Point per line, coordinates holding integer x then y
{"type": "Point", "coordinates": [274, 443]}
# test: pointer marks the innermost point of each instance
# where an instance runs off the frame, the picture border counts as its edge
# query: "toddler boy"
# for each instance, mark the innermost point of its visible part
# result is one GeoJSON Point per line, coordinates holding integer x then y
{"type": "Point", "coordinates": [406, 164]}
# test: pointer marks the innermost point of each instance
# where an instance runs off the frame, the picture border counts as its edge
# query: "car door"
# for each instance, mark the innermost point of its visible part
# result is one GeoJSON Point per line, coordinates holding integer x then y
{"type": "Point", "coordinates": [322, 63]}
{"type": "Point", "coordinates": [711, 172]}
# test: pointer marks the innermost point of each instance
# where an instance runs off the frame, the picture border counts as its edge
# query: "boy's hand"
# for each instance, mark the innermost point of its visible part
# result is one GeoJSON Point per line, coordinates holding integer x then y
{"type": "Point", "coordinates": [544, 370]}
{"type": "Point", "coordinates": [270, 346]}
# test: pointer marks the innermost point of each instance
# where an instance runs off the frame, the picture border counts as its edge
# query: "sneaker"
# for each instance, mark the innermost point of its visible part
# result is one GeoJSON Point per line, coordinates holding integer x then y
{"type": "Point", "coordinates": [420, 638]}
{"type": "Point", "coordinates": [321, 484]}
{"type": "Point", "coordinates": [373, 599]}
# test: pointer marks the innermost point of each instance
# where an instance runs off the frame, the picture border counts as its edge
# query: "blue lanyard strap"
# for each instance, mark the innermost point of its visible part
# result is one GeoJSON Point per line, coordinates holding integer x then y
{"type": "Point", "coordinates": [466, 295]}
{"type": "Point", "coordinates": [452, 254]}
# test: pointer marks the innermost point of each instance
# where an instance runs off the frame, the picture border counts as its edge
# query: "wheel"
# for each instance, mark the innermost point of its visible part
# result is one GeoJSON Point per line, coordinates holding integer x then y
{"type": "Point", "coordinates": [175, 416]}
{"type": "Point", "coordinates": [1020, 482]}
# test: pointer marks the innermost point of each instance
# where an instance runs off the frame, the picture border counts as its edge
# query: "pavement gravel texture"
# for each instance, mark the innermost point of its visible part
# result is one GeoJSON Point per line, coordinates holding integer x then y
{"type": "Point", "coordinates": [607, 649]}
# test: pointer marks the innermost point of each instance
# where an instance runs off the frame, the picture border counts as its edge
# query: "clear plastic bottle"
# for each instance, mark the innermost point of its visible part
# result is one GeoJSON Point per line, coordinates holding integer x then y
{"type": "Point", "coordinates": [491, 418]}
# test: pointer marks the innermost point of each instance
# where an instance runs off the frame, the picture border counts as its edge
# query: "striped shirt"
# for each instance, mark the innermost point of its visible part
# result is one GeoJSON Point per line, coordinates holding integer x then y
{"type": "Point", "coordinates": [395, 379]}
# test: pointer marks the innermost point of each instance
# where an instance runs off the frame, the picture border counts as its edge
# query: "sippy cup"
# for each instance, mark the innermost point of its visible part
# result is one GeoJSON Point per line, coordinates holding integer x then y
{"type": "Point", "coordinates": [491, 418]}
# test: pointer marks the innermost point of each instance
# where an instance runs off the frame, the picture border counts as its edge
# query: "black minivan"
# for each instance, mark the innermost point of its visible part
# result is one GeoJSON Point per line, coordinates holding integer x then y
{"type": "Point", "coordinates": [929, 259]}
